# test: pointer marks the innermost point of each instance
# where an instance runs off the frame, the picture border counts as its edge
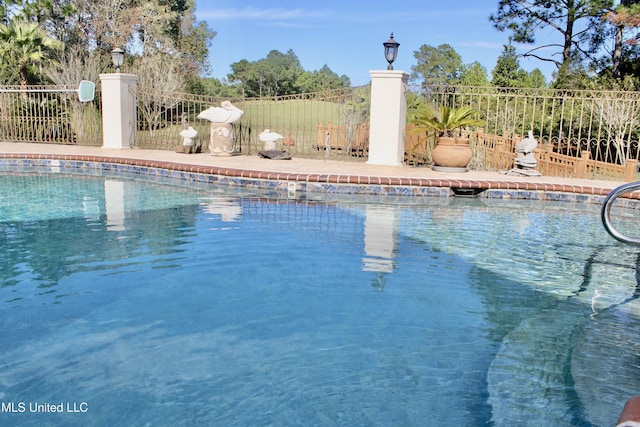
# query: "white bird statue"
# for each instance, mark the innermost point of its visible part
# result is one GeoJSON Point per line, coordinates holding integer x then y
{"type": "Point", "coordinates": [188, 135]}
{"type": "Point", "coordinates": [221, 118]}
{"type": "Point", "coordinates": [226, 113]}
{"type": "Point", "coordinates": [270, 139]}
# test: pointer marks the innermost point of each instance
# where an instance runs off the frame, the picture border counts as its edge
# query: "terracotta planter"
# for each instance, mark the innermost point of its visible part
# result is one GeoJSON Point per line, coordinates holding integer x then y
{"type": "Point", "coordinates": [451, 152]}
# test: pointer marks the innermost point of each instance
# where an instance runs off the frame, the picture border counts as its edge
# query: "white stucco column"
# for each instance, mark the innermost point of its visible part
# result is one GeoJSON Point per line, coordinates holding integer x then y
{"type": "Point", "coordinates": [118, 109]}
{"type": "Point", "coordinates": [388, 117]}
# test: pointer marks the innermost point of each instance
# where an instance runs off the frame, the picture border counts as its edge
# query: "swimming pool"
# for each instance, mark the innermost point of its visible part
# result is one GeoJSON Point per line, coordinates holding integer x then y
{"type": "Point", "coordinates": [130, 302]}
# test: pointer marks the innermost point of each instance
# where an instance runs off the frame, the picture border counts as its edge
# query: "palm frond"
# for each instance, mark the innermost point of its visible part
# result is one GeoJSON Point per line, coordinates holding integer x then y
{"type": "Point", "coordinates": [445, 119]}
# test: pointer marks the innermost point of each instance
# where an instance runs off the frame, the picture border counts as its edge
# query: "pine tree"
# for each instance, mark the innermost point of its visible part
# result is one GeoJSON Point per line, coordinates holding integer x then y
{"type": "Point", "coordinates": [507, 72]}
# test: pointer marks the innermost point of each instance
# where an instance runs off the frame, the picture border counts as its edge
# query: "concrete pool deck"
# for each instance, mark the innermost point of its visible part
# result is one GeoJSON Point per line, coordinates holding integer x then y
{"type": "Point", "coordinates": [309, 170]}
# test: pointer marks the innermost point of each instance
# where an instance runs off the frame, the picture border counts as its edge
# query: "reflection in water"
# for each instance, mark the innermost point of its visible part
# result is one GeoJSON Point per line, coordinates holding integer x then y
{"type": "Point", "coordinates": [379, 281]}
{"type": "Point", "coordinates": [114, 198]}
{"type": "Point", "coordinates": [81, 226]}
{"type": "Point", "coordinates": [380, 240]}
{"type": "Point", "coordinates": [91, 208]}
{"type": "Point", "coordinates": [228, 208]}
{"type": "Point", "coordinates": [380, 236]}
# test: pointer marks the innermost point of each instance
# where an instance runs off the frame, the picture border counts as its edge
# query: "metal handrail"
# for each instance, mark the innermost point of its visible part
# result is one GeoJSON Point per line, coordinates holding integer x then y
{"type": "Point", "coordinates": [605, 213]}
{"type": "Point", "coordinates": [86, 90]}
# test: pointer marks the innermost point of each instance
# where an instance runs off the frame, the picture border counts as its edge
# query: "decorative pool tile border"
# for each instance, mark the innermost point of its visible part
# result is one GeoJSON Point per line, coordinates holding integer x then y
{"type": "Point", "coordinates": [311, 182]}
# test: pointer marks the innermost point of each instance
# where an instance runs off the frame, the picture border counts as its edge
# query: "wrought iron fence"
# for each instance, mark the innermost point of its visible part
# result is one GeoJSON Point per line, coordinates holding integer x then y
{"type": "Point", "coordinates": [572, 123]}
{"type": "Point", "coordinates": [334, 124]}
{"type": "Point", "coordinates": [337, 116]}
{"type": "Point", "coordinates": [49, 114]}
{"type": "Point", "coordinates": [581, 133]}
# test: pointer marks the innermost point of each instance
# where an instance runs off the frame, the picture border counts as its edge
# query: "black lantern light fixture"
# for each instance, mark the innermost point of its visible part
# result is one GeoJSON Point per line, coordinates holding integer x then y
{"type": "Point", "coordinates": [391, 51]}
{"type": "Point", "coordinates": [117, 56]}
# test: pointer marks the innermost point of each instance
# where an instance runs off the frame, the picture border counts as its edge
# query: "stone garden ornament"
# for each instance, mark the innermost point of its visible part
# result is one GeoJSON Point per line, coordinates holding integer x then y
{"type": "Point", "coordinates": [222, 119]}
{"type": "Point", "coordinates": [270, 139]}
{"type": "Point", "coordinates": [525, 158]}
{"type": "Point", "coordinates": [188, 135]}
{"type": "Point", "coordinates": [270, 147]}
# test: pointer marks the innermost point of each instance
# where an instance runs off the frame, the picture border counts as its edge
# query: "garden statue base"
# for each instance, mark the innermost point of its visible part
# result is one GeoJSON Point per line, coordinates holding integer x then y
{"type": "Point", "coordinates": [221, 118]}
{"type": "Point", "coordinates": [221, 141]}
{"type": "Point", "coordinates": [524, 172]}
{"type": "Point", "coordinates": [186, 149]}
{"type": "Point", "coordinates": [274, 154]}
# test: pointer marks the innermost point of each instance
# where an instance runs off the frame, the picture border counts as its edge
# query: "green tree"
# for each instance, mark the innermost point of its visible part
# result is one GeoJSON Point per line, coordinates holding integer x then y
{"type": "Point", "coordinates": [573, 75]}
{"type": "Point", "coordinates": [536, 79]}
{"type": "Point", "coordinates": [147, 27]}
{"type": "Point", "coordinates": [623, 24]}
{"type": "Point", "coordinates": [574, 20]}
{"type": "Point", "coordinates": [474, 74]}
{"type": "Point", "coordinates": [193, 43]}
{"type": "Point", "coordinates": [52, 15]}
{"type": "Point", "coordinates": [271, 76]}
{"type": "Point", "coordinates": [321, 80]}
{"type": "Point", "coordinates": [169, 27]}
{"type": "Point", "coordinates": [214, 87]}
{"type": "Point", "coordinates": [281, 74]}
{"type": "Point", "coordinates": [28, 45]}
{"type": "Point", "coordinates": [440, 65]}
{"type": "Point", "coordinates": [242, 73]}
{"type": "Point", "coordinates": [507, 72]}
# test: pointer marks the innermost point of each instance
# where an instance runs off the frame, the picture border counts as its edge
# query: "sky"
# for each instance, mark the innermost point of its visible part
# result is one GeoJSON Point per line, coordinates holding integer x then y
{"type": "Point", "coordinates": [347, 35]}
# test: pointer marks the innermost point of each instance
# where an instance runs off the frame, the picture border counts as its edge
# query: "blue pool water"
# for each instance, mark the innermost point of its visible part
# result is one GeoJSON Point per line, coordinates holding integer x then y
{"type": "Point", "coordinates": [129, 302]}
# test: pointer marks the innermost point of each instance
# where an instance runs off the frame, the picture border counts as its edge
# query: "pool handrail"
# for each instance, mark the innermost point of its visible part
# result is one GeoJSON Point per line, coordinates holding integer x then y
{"type": "Point", "coordinates": [605, 212]}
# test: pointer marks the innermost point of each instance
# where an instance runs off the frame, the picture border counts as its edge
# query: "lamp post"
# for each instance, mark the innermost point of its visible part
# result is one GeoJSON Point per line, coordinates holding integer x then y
{"type": "Point", "coordinates": [119, 106]}
{"type": "Point", "coordinates": [117, 56]}
{"type": "Point", "coordinates": [388, 111]}
{"type": "Point", "coordinates": [391, 51]}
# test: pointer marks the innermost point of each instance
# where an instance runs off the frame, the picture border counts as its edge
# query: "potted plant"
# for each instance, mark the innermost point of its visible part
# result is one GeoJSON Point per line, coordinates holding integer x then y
{"type": "Point", "coordinates": [451, 152]}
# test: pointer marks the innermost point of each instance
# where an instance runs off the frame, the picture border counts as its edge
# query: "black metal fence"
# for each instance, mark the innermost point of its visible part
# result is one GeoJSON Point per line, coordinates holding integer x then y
{"type": "Point", "coordinates": [49, 114]}
{"type": "Point", "coordinates": [335, 124]}
{"type": "Point", "coordinates": [606, 124]}
{"type": "Point", "coordinates": [301, 119]}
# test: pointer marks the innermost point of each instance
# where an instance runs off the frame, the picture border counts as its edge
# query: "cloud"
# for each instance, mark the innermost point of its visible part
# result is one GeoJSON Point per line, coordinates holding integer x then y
{"type": "Point", "coordinates": [253, 13]}
{"type": "Point", "coordinates": [487, 45]}
{"type": "Point", "coordinates": [431, 14]}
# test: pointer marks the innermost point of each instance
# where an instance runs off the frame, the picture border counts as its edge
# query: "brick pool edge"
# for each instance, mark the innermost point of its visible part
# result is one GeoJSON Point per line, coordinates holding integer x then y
{"type": "Point", "coordinates": [316, 182]}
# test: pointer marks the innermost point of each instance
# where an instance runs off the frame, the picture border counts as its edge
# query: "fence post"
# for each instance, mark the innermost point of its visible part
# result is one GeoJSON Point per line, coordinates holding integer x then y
{"type": "Point", "coordinates": [581, 164]}
{"type": "Point", "coordinates": [388, 117]}
{"type": "Point", "coordinates": [630, 169]}
{"type": "Point", "coordinates": [118, 109]}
